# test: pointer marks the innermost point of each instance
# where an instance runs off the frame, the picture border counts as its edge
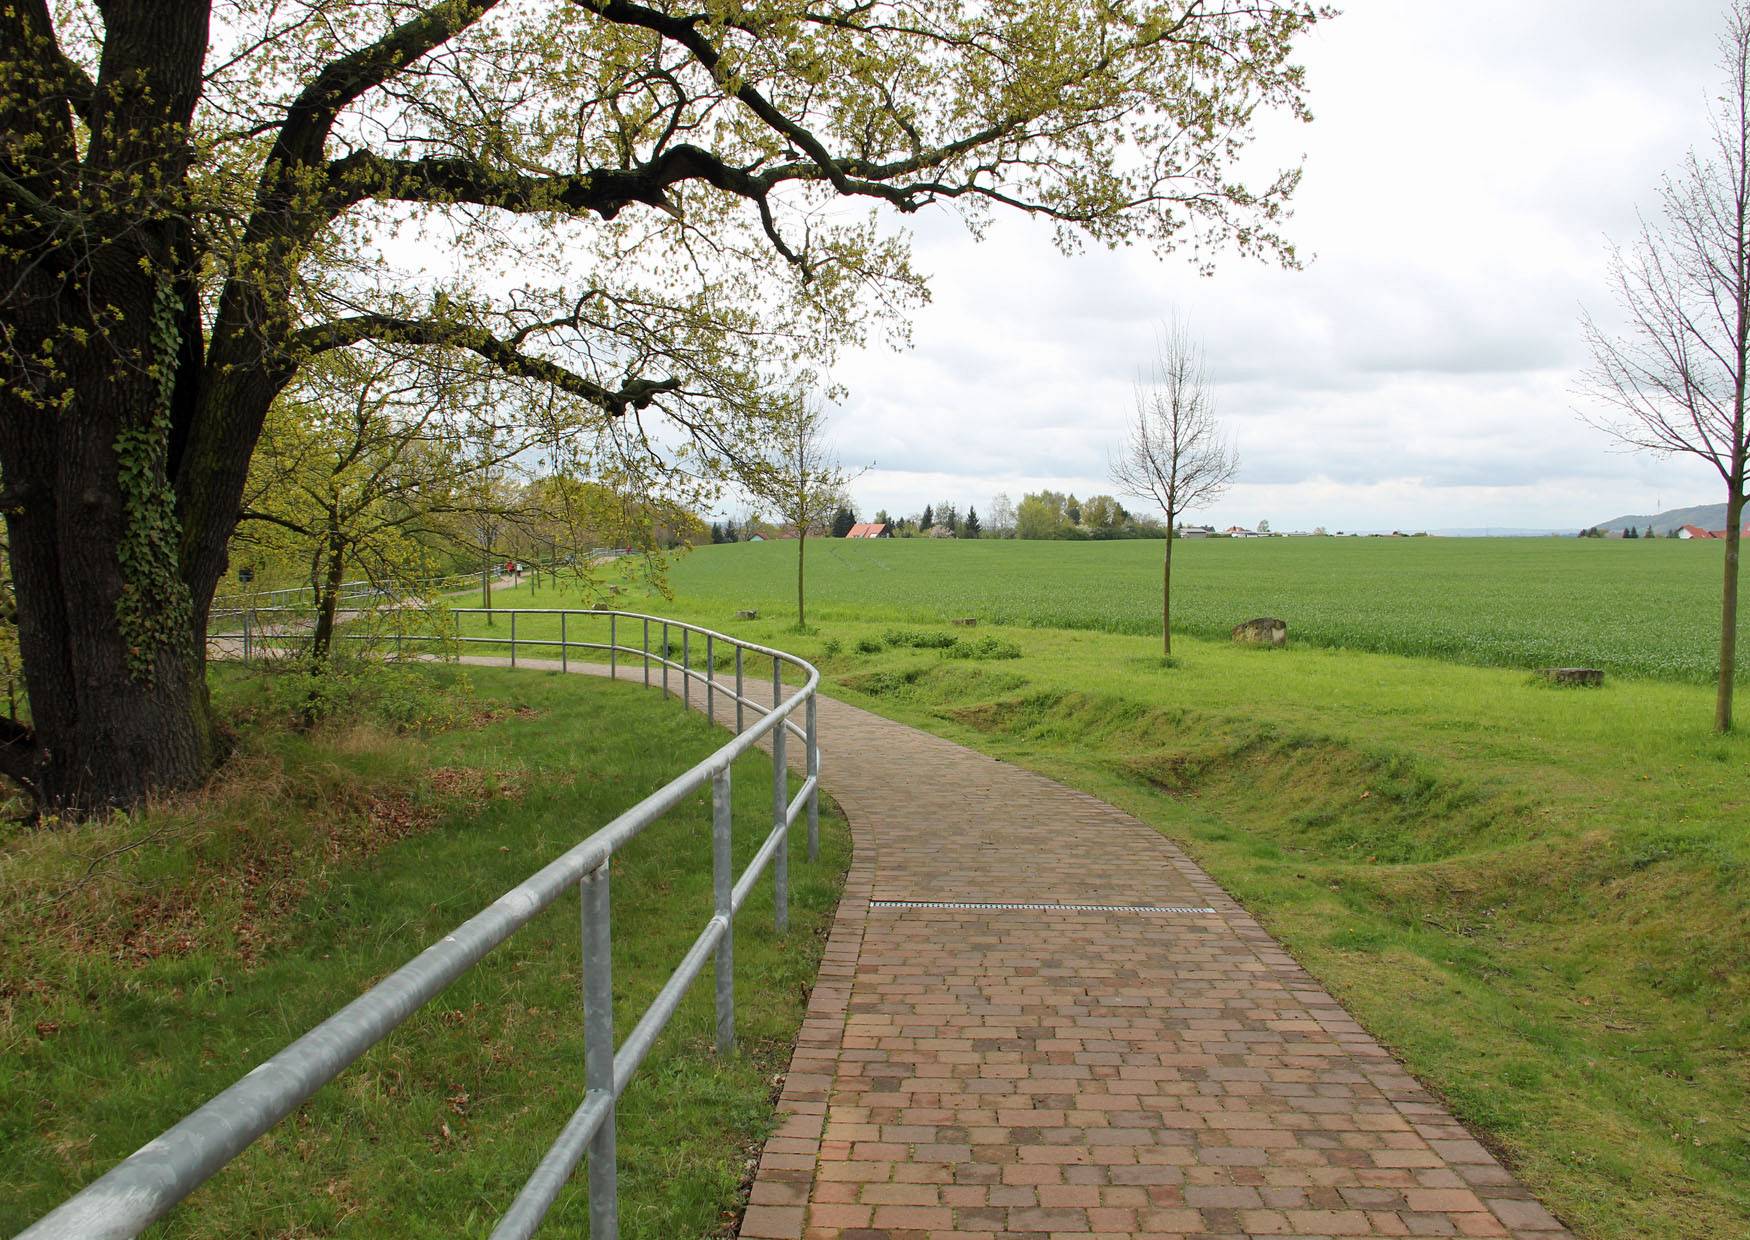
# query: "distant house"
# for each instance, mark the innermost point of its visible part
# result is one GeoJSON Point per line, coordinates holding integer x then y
{"type": "Point", "coordinates": [1240, 531]}
{"type": "Point", "coordinates": [870, 529]}
{"type": "Point", "coordinates": [1695, 531]}
{"type": "Point", "coordinates": [757, 538]}
{"type": "Point", "coordinates": [1195, 531]}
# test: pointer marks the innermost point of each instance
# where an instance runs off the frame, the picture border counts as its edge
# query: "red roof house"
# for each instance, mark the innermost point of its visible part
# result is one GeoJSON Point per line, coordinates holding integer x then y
{"type": "Point", "coordinates": [870, 529]}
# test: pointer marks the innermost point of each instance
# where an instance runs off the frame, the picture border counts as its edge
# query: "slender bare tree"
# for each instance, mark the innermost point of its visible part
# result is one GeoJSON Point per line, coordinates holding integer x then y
{"type": "Point", "coordinates": [1174, 454]}
{"type": "Point", "coordinates": [802, 479]}
{"type": "Point", "coordinates": [1671, 379]}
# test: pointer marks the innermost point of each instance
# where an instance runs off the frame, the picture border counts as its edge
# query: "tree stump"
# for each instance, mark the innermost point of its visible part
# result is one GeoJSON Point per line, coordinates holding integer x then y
{"type": "Point", "coordinates": [603, 607]}
{"type": "Point", "coordinates": [965, 622]}
{"type": "Point", "coordinates": [1592, 677]}
{"type": "Point", "coordinates": [747, 615]}
{"type": "Point", "coordinates": [1264, 631]}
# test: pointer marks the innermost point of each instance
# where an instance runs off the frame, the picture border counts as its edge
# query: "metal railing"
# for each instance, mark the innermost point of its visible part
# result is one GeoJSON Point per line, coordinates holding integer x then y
{"type": "Point", "coordinates": [348, 592]}
{"type": "Point", "coordinates": [147, 1184]}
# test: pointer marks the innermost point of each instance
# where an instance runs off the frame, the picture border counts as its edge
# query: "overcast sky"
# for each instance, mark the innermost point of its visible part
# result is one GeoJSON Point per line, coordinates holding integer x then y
{"type": "Point", "coordinates": [1467, 165]}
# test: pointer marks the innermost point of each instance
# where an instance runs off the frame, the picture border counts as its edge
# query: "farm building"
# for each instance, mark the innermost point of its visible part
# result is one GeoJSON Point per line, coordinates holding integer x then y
{"type": "Point", "coordinates": [1695, 531]}
{"type": "Point", "coordinates": [1240, 531]}
{"type": "Point", "coordinates": [870, 529]}
{"type": "Point", "coordinates": [1195, 531]}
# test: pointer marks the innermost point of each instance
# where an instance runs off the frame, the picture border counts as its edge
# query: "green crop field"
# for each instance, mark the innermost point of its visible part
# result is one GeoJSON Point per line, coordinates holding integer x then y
{"type": "Point", "coordinates": [1640, 608]}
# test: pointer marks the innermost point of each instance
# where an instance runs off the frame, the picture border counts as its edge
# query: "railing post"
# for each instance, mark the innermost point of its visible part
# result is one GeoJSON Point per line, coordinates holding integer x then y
{"type": "Point", "coordinates": [780, 811]}
{"type": "Point", "coordinates": [710, 678]}
{"type": "Point", "coordinates": [723, 889]}
{"type": "Point", "coordinates": [813, 729]}
{"type": "Point", "coordinates": [665, 658]}
{"type": "Point", "coordinates": [647, 652]}
{"type": "Point", "coordinates": [740, 693]}
{"type": "Point", "coordinates": [613, 647]}
{"type": "Point", "coordinates": [564, 646]}
{"type": "Point", "coordinates": [246, 636]}
{"type": "Point", "coordinates": [598, 1049]}
{"type": "Point", "coordinates": [513, 639]}
{"type": "Point", "coordinates": [687, 667]}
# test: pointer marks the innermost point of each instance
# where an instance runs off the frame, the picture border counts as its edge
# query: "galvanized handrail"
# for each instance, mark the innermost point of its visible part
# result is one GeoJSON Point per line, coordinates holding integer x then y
{"type": "Point", "coordinates": [305, 596]}
{"type": "Point", "coordinates": [149, 1182]}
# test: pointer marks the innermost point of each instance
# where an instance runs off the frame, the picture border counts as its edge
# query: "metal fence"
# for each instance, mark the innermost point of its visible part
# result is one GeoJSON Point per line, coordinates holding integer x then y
{"type": "Point", "coordinates": [166, 1169]}
{"type": "Point", "coordinates": [348, 593]}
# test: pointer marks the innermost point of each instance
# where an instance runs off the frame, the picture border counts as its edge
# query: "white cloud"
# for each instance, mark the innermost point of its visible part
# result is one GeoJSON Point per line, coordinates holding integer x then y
{"type": "Point", "coordinates": [1465, 167]}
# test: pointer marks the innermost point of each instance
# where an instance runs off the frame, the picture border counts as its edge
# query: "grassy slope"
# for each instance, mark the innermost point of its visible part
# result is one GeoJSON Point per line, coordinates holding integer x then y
{"type": "Point", "coordinates": [315, 866]}
{"type": "Point", "coordinates": [1647, 608]}
{"type": "Point", "coordinates": [1538, 897]}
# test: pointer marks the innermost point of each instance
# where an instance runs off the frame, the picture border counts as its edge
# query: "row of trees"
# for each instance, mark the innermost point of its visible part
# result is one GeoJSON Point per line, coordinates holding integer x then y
{"type": "Point", "coordinates": [1054, 515]}
{"type": "Point", "coordinates": [1042, 514]}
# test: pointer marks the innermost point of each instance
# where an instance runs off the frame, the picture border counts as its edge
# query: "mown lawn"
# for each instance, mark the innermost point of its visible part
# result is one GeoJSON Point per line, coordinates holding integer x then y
{"type": "Point", "coordinates": [1538, 897]}
{"type": "Point", "coordinates": [146, 963]}
{"type": "Point", "coordinates": [1645, 608]}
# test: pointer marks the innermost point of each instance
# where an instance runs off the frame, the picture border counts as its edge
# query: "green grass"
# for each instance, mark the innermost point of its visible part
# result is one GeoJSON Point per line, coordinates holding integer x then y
{"type": "Point", "coordinates": [1642, 608]}
{"type": "Point", "coordinates": [316, 863]}
{"type": "Point", "coordinates": [1538, 897]}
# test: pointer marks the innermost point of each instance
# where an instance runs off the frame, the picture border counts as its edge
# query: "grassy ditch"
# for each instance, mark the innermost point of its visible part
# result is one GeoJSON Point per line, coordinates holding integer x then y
{"type": "Point", "coordinates": [1536, 896]}
{"type": "Point", "coordinates": [147, 962]}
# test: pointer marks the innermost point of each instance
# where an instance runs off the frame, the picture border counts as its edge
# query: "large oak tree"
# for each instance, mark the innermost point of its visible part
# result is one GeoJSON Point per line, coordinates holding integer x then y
{"type": "Point", "coordinates": [633, 201]}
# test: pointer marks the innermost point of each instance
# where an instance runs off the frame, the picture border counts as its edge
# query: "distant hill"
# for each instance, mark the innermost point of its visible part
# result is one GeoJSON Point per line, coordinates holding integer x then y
{"type": "Point", "coordinates": [1707, 516]}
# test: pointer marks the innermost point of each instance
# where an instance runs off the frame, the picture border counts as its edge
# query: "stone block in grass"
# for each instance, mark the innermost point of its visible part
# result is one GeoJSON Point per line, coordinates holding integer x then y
{"type": "Point", "coordinates": [1264, 631]}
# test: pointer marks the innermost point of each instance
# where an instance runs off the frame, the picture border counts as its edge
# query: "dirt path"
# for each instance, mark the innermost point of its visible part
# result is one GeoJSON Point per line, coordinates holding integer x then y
{"type": "Point", "coordinates": [1156, 1067]}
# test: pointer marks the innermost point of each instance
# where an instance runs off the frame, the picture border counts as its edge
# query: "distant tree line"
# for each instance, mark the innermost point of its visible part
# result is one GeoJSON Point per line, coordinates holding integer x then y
{"type": "Point", "coordinates": [1054, 515]}
{"type": "Point", "coordinates": [1041, 514]}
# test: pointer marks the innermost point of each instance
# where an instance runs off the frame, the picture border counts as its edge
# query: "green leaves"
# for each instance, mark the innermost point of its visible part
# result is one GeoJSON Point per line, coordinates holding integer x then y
{"type": "Point", "coordinates": [154, 609]}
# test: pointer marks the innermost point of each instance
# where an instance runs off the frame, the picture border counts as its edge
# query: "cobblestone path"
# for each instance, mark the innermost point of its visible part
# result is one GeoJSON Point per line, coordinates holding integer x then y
{"type": "Point", "coordinates": [1141, 1070]}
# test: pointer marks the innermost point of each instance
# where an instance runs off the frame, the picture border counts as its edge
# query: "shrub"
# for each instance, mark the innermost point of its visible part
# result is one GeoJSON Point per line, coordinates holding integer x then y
{"type": "Point", "coordinates": [407, 698]}
{"type": "Point", "coordinates": [983, 648]}
{"type": "Point", "coordinates": [869, 645]}
{"type": "Point", "coordinates": [920, 639]}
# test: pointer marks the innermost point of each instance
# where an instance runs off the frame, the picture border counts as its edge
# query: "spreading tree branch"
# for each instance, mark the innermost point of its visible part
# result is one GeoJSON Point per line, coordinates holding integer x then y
{"type": "Point", "coordinates": [634, 394]}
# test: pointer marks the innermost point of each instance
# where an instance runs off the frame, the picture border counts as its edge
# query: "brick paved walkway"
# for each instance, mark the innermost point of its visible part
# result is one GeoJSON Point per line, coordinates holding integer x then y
{"type": "Point", "coordinates": [974, 1073]}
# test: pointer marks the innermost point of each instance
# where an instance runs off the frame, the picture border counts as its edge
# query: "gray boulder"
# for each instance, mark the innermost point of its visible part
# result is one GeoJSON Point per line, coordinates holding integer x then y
{"type": "Point", "coordinates": [1264, 631]}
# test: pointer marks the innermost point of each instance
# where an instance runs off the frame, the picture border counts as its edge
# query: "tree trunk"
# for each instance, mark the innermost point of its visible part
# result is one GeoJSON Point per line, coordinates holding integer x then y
{"type": "Point", "coordinates": [486, 584]}
{"type": "Point", "coordinates": [113, 650]}
{"type": "Point", "coordinates": [801, 547]}
{"type": "Point", "coordinates": [1729, 613]}
{"type": "Point", "coordinates": [328, 599]}
{"type": "Point", "coordinates": [1167, 594]}
{"type": "Point", "coordinates": [100, 383]}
